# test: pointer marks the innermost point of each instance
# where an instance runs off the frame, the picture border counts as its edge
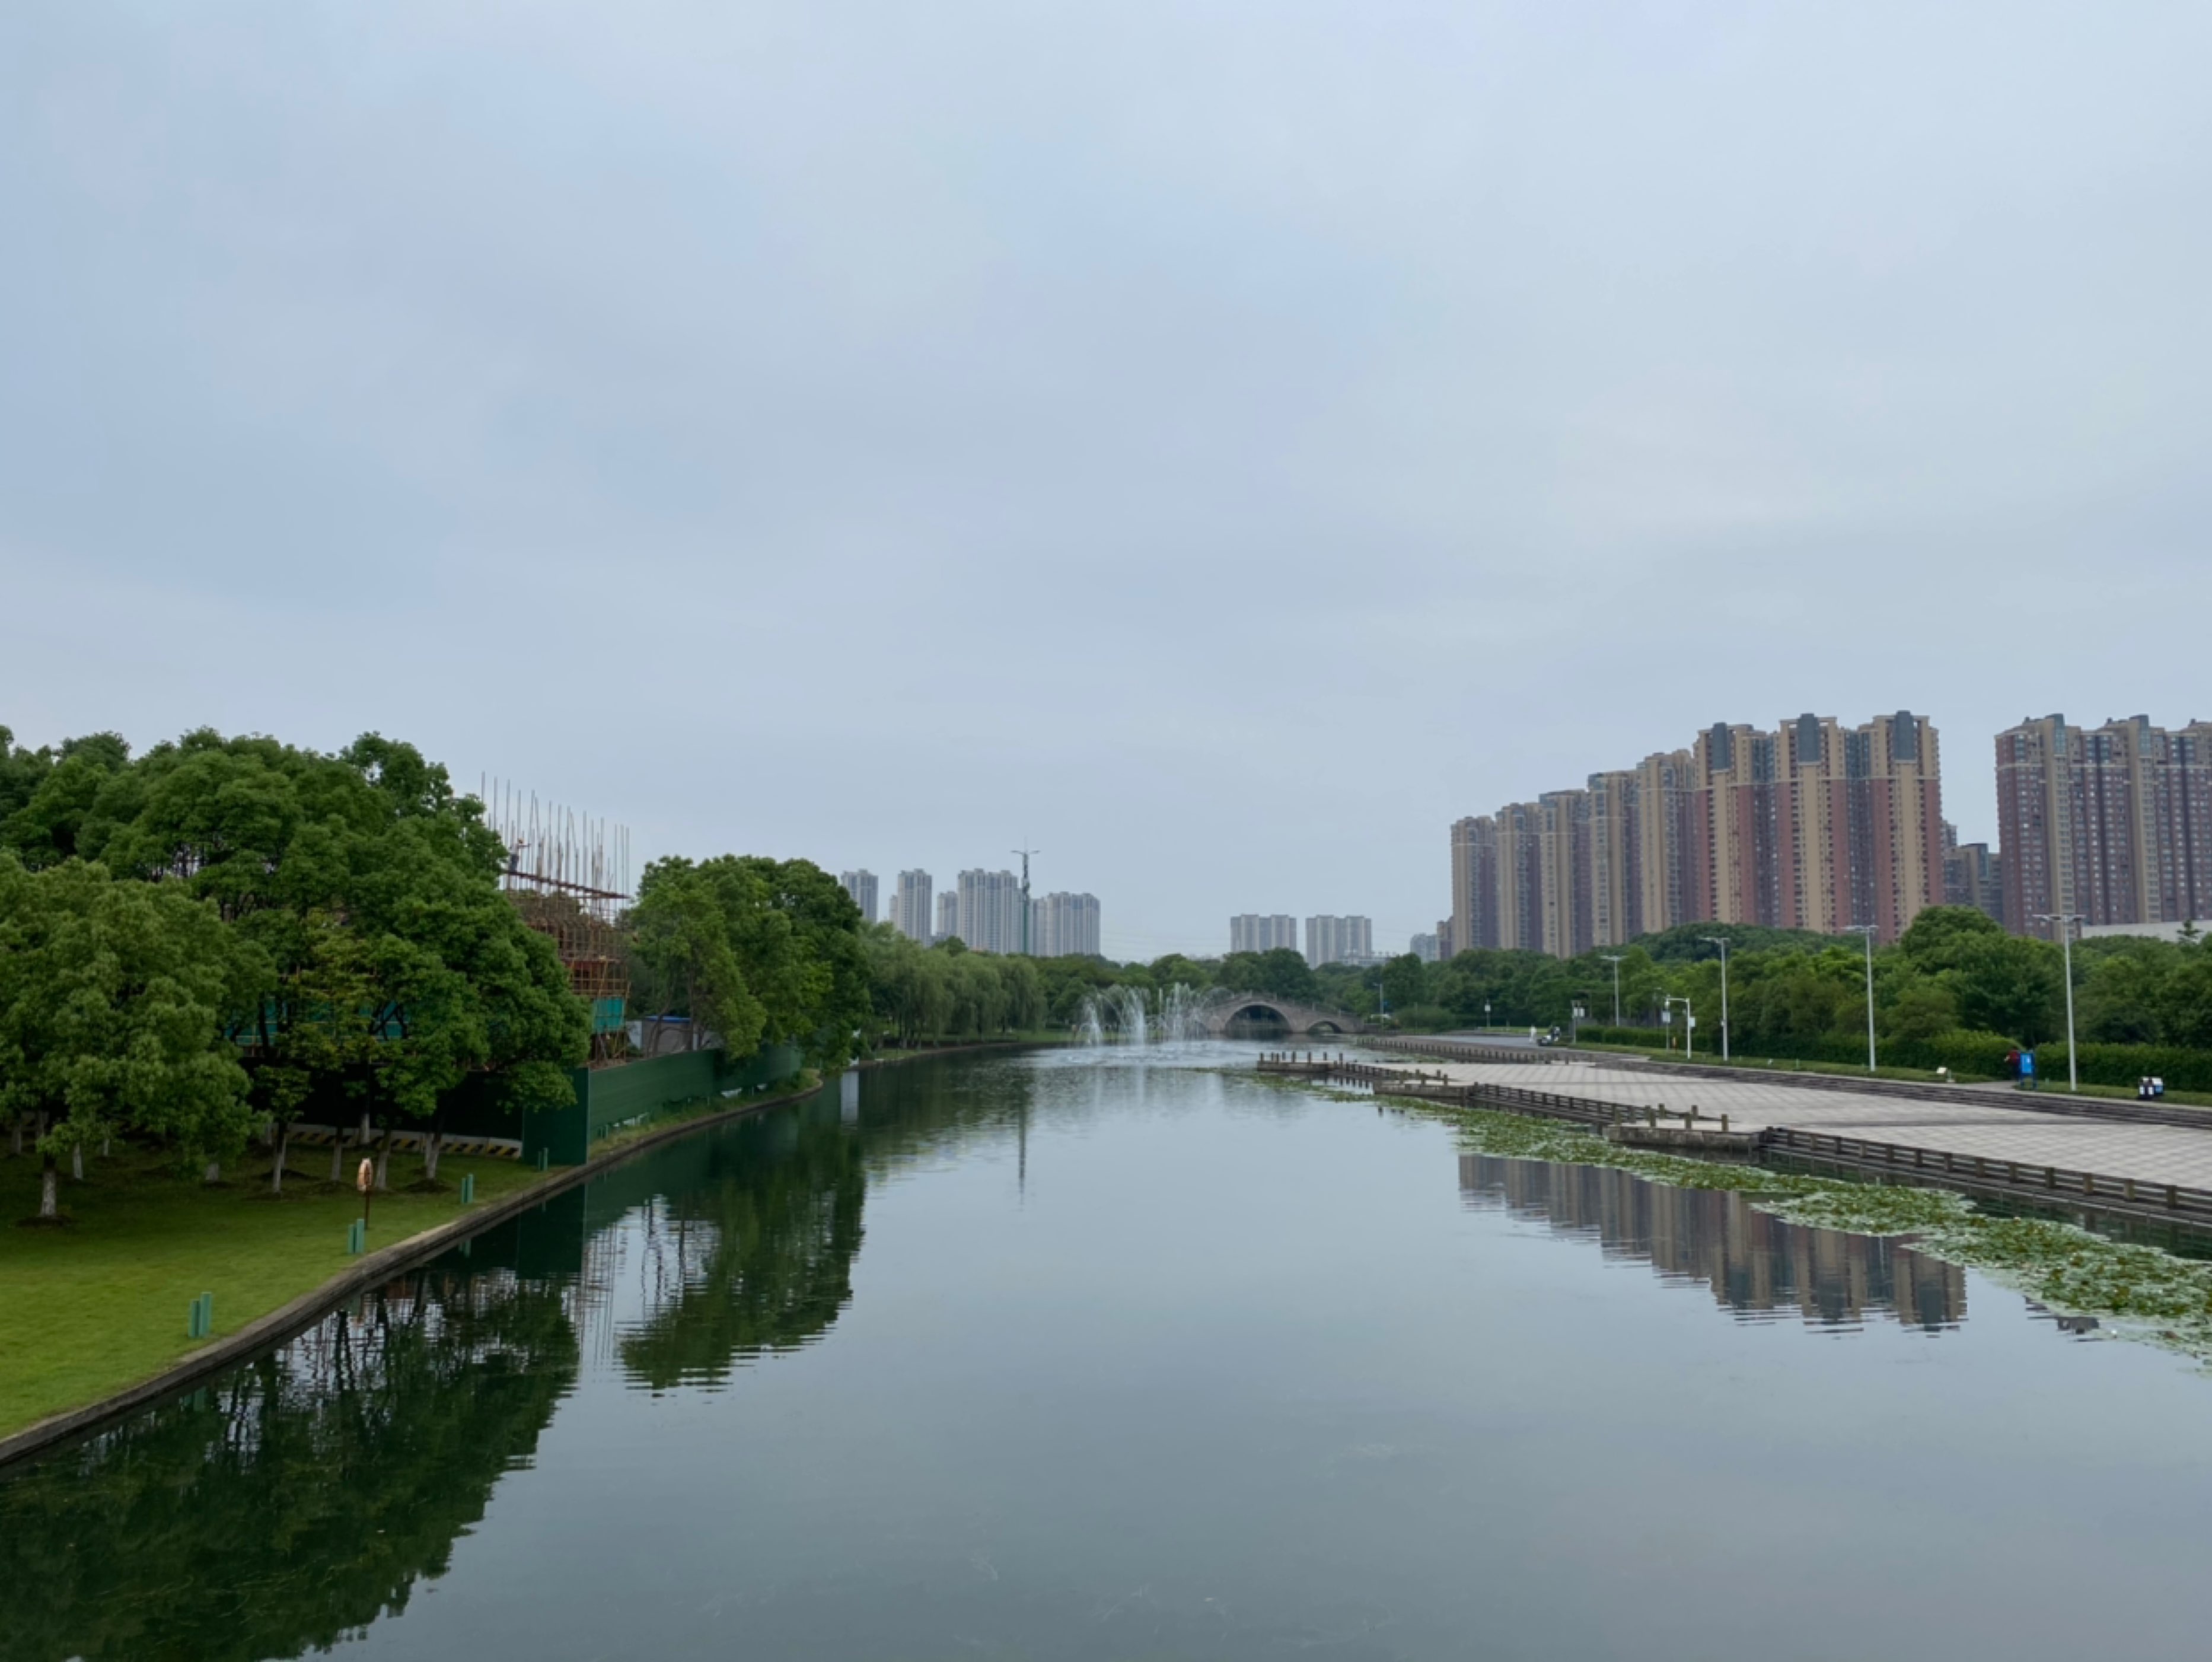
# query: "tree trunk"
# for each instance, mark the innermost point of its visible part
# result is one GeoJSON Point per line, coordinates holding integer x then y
{"type": "Point", "coordinates": [50, 1195]}
{"type": "Point", "coordinates": [77, 1162]}
{"type": "Point", "coordinates": [282, 1131]}
{"type": "Point", "coordinates": [214, 1173]}
{"type": "Point", "coordinates": [337, 1154]}
{"type": "Point", "coordinates": [16, 1131]}
{"type": "Point", "coordinates": [106, 1142]}
{"type": "Point", "coordinates": [383, 1161]}
{"type": "Point", "coordinates": [434, 1144]}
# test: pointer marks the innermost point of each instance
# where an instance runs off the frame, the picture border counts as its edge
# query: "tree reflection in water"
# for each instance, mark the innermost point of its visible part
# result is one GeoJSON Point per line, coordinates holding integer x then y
{"type": "Point", "coordinates": [308, 1492]}
{"type": "Point", "coordinates": [755, 1255]}
{"type": "Point", "coordinates": [1757, 1265]}
{"type": "Point", "coordinates": [301, 1497]}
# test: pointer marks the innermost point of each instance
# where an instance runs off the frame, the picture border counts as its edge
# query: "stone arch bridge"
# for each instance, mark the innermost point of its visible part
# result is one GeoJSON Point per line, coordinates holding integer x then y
{"type": "Point", "coordinates": [1222, 1011]}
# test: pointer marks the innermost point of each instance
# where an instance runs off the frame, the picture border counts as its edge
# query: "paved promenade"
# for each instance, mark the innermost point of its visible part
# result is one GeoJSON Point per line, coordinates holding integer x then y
{"type": "Point", "coordinates": [2147, 1153]}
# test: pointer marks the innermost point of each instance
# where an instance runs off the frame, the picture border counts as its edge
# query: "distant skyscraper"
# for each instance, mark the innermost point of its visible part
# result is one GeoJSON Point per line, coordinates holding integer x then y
{"type": "Point", "coordinates": [1972, 876]}
{"type": "Point", "coordinates": [991, 910]}
{"type": "Point", "coordinates": [1474, 883]}
{"type": "Point", "coordinates": [1424, 946]}
{"type": "Point", "coordinates": [910, 913]}
{"type": "Point", "coordinates": [1810, 825]}
{"type": "Point", "coordinates": [948, 917]}
{"type": "Point", "coordinates": [1338, 941]}
{"type": "Point", "coordinates": [861, 886]}
{"type": "Point", "coordinates": [1064, 926]}
{"type": "Point", "coordinates": [2112, 824]}
{"type": "Point", "coordinates": [1252, 932]}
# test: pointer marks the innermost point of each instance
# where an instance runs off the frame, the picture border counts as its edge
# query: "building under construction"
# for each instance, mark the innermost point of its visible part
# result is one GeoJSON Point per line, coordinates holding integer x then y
{"type": "Point", "coordinates": [569, 876]}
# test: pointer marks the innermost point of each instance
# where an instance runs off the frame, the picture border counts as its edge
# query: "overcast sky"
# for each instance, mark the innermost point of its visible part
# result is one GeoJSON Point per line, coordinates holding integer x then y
{"type": "Point", "coordinates": [1216, 443]}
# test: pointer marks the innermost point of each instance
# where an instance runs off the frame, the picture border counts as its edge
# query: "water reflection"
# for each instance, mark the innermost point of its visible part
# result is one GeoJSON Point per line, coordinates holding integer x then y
{"type": "Point", "coordinates": [1758, 1267]}
{"type": "Point", "coordinates": [302, 1497]}
{"type": "Point", "coordinates": [754, 1252]}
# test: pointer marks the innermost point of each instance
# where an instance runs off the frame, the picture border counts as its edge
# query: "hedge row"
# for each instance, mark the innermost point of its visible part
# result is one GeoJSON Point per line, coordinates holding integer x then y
{"type": "Point", "coordinates": [1967, 1053]}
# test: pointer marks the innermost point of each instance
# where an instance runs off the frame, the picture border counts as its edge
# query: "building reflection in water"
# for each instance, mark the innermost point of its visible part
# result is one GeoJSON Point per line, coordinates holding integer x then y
{"type": "Point", "coordinates": [1758, 1267]}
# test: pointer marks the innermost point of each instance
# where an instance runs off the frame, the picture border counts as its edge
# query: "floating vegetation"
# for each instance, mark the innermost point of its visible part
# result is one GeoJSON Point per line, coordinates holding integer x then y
{"type": "Point", "coordinates": [2142, 1292]}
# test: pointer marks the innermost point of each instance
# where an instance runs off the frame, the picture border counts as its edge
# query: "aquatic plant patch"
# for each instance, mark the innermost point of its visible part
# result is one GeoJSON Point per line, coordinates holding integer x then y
{"type": "Point", "coordinates": [2142, 1292]}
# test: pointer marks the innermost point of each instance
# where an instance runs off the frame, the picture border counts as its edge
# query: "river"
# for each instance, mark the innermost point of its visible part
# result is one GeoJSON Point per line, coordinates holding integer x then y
{"type": "Point", "coordinates": [1119, 1355]}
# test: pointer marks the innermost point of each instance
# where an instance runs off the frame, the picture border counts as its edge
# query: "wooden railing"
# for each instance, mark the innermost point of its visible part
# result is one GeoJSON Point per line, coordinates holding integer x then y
{"type": "Point", "coordinates": [2048, 1185]}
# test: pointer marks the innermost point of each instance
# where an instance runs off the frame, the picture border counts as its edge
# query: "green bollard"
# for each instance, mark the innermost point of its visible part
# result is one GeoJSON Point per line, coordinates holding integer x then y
{"type": "Point", "coordinates": [357, 1237]}
{"type": "Point", "coordinates": [468, 1189]}
{"type": "Point", "coordinates": [545, 1159]}
{"type": "Point", "coordinates": [199, 1317]}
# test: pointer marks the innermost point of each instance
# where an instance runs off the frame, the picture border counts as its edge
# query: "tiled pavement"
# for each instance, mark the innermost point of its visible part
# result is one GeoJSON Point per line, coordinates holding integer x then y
{"type": "Point", "coordinates": [2148, 1154]}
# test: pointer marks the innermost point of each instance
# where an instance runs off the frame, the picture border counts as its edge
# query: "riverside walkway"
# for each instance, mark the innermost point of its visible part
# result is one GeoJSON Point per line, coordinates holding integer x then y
{"type": "Point", "coordinates": [1990, 1143]}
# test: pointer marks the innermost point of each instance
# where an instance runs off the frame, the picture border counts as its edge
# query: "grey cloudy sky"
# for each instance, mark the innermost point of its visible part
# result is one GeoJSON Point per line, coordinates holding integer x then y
{"type": "Point", "coordinates": [1217, 443]}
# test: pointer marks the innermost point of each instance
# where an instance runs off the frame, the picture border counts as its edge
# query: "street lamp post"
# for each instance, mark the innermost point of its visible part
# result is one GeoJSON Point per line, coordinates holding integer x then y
{"type": "Point", "coordinates": [2065, 924]}
{"type": "Point", "coordinates": [1614, 958]}
{"type": "Point", "coordinates": [1666, 1003]}
{"type": "Point", "coordinates": [1721, 941]}
{"type": "Point", "coordinates": [1486, 1015]}
{"type": "Point", "coordinates": [1576, 1012]}
{"type": "Point", "coordinates": [1867, 929]}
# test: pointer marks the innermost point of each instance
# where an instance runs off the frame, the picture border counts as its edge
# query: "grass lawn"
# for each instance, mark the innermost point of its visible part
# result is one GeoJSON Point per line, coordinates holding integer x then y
{"type": "Point", "coordinates": [87, 1310]}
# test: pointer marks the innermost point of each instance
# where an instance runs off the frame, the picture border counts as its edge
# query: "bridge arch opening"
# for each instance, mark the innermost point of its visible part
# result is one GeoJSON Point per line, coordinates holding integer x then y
{"type": "Point", "coordinates": [1252, 1020]}
{"type": "Point", "coordinates": [1325, 1026]}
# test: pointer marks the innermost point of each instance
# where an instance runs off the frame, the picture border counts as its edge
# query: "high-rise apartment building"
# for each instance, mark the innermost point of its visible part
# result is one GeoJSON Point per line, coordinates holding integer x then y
{"type": "Point", "coordinates": [910, 901]}
{"type": "Point", "coordinates": [1254, 932]}
{"type": "Point", "coordinates": [861, 886]}
{"type": "Point", "coordinates": [1972, 875]}
{"type": "Point", "coordinates": [1519, 901]}
{"type": "Point", "coordinates": [1810, 825]}
{"type": "Point", "coordinates": [1616, 874]}
{"type": "Point", "coordinates": [1338, 941]}
{"type": "Point", "coordinates": [1563, 872]}
{"type": "Point", "coordinates": [1473, 883]}
{"type": "Point", "coordinates": [1425, 948]}
{"type": "Point", "coordinates": [1901, 779]}
{"type": "Point", "coordinates": [948, 918]}
{"type": "Point", "coordinates": [2111, 823]}
{"type": "Point", "coordinates": [990, 911]}
{"type": "Point", "coordinates": [1064, 926]}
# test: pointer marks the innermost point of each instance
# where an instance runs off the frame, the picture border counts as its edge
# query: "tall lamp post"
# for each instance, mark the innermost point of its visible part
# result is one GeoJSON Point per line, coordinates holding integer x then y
{"type": "Point", "coordinates": [1867, 929]}
{"type": "Point", "coordinates": [1578, 1013]}
{"type": "Point", "coordinates": [2065, 924]}
{"type": "Point", "coordinates": [1721, 941]}
{"type": "Point", "coordinates": [1666, 1003]}
{"type": "Point", "coordinates": [1614, 958]}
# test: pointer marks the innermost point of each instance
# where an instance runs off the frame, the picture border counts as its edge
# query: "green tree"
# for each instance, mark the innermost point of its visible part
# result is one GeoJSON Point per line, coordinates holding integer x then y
{"type": "Point", "coordinates": [111, 999]}
{"type": "Point", "coordinates": [1280, 972]}
{"type": "Point", "coordinates": [1405, 981]}
{"type": "Point", "coordinates": [685, 958]}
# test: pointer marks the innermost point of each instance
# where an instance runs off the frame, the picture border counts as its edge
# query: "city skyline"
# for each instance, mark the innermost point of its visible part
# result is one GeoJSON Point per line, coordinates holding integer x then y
{"type": "Point", "coordinates": [1808, 825]}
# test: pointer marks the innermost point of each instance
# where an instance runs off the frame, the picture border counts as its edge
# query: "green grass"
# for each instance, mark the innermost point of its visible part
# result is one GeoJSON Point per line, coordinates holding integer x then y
{"type": "Point", "coordinates": [90, 1309]}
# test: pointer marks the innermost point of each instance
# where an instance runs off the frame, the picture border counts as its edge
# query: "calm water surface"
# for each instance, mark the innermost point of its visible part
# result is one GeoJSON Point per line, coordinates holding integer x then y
{"type": "Point", "coordinates": [1119, 1355]}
